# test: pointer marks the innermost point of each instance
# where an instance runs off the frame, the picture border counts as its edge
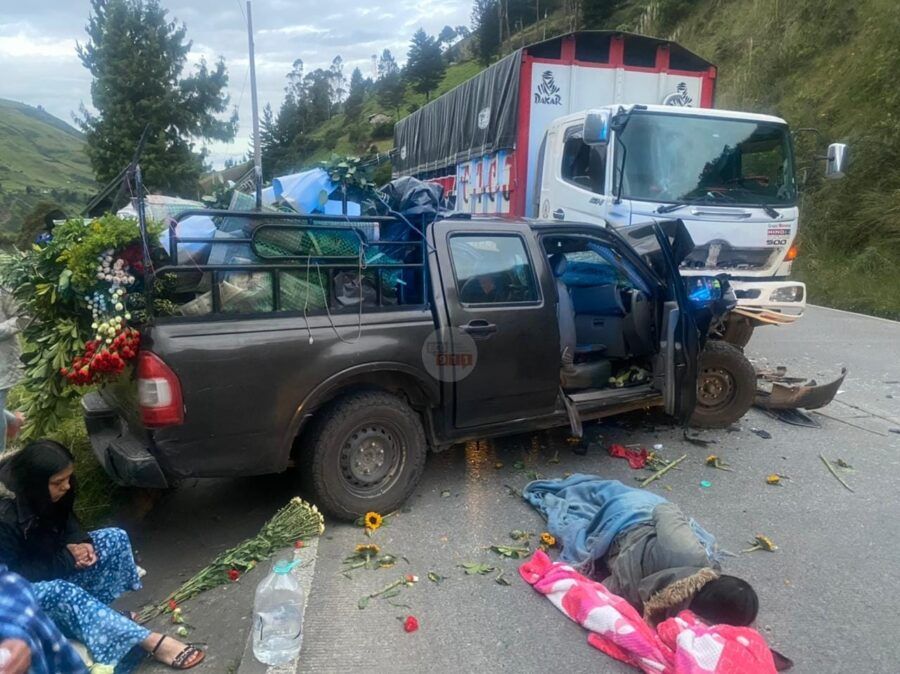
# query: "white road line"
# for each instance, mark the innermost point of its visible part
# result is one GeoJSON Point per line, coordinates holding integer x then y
{"type": "Point", "coordinates": [854, 313]}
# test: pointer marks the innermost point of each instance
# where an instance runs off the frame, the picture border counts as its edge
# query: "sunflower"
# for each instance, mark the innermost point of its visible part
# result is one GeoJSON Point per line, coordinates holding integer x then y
{"type": "Point", "coordinates": [548, 539]}
{"type": "Point", "coordinates": [367, 549]}
{"type": "Point", "coordinates": [373, 521]}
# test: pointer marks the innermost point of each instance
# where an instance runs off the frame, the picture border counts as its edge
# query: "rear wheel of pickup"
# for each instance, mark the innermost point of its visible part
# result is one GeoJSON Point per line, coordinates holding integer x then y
{"type": "Point", "coordinates": [726, 385]}
{"type": "Point", "coordinates": [367, 454]}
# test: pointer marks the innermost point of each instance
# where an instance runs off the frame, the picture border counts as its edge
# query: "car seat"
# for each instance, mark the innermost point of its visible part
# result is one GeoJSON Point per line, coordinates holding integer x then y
{"type": "Point", "coordinates": [574, 375]}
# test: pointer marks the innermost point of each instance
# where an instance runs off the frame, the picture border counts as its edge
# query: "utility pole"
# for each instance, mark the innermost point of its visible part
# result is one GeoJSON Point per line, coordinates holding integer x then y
{"type": "Point", "coordinates": [257, 150]}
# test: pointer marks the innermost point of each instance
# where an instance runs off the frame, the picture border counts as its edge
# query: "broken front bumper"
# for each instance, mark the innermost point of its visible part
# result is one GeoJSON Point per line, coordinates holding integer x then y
{"type": "Point", "coordinates": [789, 393]}
{"type": "Point", "coordinates": [122, 453]}
{"type": "Point", "coordinates": [770, 302]}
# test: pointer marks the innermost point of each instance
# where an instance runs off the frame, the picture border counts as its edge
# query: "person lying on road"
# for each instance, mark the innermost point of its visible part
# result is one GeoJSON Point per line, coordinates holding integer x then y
{"type": "Point", "coordinates": [657, 559]}
{"type": "Point", "coordinates": [75, 575]}
{"type": "Point", "coordinates": [29, 641]}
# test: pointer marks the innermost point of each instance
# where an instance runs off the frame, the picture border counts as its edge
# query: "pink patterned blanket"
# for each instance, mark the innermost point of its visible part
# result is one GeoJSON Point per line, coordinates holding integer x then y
{"type": "Point", "coordinates": [680, 645]}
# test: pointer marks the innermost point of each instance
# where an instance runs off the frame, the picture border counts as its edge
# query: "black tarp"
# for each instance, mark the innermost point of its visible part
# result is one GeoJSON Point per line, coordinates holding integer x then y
{"type": "Point", "coordinates": [476, 118]}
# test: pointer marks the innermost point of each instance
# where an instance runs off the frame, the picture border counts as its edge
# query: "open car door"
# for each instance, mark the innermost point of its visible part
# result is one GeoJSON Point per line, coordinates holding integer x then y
{"type": "Point", "coordinates": [664, 245]}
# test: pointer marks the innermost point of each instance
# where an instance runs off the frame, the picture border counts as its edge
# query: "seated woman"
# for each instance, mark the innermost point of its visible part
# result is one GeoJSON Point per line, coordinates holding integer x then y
{"type": "Point", "coordinates": [75, 576]}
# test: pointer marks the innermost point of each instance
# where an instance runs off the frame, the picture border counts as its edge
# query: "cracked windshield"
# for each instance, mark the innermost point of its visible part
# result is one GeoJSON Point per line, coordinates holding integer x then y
{"type": "Point", "coordinates": [676, 158]}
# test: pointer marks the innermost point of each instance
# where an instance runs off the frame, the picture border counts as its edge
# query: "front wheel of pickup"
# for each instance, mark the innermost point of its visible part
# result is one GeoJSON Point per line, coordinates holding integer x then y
{"type": "Point", "coordinates": [726, 386]}
{"type": "Point", "coordinates": [367, 454]}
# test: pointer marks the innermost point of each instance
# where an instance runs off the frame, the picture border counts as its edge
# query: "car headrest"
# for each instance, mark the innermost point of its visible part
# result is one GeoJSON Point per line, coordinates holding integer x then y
{"type": "Point", "coordinates": [558, 264]}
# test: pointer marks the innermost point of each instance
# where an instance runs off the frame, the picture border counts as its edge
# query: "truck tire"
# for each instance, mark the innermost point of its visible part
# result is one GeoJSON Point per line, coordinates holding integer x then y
{"type": "Point", "coordinates": [726, 386]}
{"type": "Point", "coordinates": [738, 330]}
{"type": "Point", "coordinates": [367, 453]}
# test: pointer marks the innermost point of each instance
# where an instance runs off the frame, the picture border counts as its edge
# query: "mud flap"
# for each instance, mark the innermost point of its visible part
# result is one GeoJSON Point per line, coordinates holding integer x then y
{"type": "Point", "coordinates": [572, 412]}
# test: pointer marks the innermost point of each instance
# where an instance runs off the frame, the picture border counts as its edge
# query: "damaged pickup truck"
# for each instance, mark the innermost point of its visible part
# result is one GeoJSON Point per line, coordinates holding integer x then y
{"type": "Point", "coordinates": [349, 347]}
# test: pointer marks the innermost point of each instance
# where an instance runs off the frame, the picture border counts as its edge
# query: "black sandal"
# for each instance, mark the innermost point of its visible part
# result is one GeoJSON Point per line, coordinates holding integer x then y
{"type": "Point", "coordinates": [186, 659]}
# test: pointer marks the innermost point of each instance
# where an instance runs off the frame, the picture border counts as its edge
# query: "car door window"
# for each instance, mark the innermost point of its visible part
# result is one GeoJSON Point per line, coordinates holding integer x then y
{"type": "Point", "coordinates": [492, 269]}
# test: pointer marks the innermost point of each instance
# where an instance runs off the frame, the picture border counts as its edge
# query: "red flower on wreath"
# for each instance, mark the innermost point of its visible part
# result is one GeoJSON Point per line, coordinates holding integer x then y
{"type": "Point", "coordinates": [233, 575]}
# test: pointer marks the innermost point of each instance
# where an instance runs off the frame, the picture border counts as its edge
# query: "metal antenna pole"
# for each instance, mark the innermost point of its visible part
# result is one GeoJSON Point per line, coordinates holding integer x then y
{"type": "Point", "coordinates": [257, 151]}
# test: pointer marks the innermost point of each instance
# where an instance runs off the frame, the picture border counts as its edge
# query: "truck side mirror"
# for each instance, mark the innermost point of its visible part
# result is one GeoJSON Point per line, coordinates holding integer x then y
{"type": "Point", "coordinates": [836, 161]}
{"type": "Point", "coordinates": [596, 127]}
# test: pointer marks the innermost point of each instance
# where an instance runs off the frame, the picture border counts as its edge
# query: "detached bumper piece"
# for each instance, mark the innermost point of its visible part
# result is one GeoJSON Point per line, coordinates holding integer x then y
{"type": "Point", "coordinates": [123, 454]}
{"type": "Point", "coordinates": [790, 393]}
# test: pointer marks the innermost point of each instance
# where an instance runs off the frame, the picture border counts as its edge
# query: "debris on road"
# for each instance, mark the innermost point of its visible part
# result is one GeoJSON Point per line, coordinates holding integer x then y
{"type": "Point", "coordinates": [518, 535]}
{"type": "Point", "coordinates": [662, 471]}
{"type": "Point", "coordinates": [765, 435]}
{"type": "Point", "coordinates": [793, 417]}
{"type": "Point", "coordinates": [511, 551]}
{"type": "Point", "coordinates": [477, 568]}
{"type": "Point", "coordinates": [694, 440]}
{"type": "Point", "coordinates": [547, 539]}
{"type": "Point", "coordinates": [792, 393]}
{"type": "Point", "coordinates": [761, 543]}
{"type": "Point", "coordinates": [436, 578]}
{"type": "Point", "coordinates": [410, 624]}
{"type": "Point", "coordinates": [706, 484]}
{"type": "Point", "coordinates": [388, 591]}
{"type": "Point", "coordinates": [774, 479]}
{"type": "Point", "coordinates": [714, 461]}
{"type": "Point", "coordinates": [501, 580]}
{"type": "Point", "coordinates": [637, 458]}
{"type": "Point", "coordinates": [834, 472]}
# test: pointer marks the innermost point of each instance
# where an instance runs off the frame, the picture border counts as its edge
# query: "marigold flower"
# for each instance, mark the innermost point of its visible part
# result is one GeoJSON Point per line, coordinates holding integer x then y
{"type": "Point", "coordinates": [548, 539]}
{"type": "Point", "coordinates": [774, 478]}
{"type": "Point", "coordinates": [373, 521]}
{"type": "Point", "coordinates": [411, 624]}
{"type": "Point", "coordinates": [233, 575]}
{"type": "Point", "coordinates": [712, 460]}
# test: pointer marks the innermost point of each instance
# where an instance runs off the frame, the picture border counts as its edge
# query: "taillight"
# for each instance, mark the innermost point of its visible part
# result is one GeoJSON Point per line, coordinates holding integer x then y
{"type": "Point", "coordinates": [159, 392]}
{"type": "Point", "coordinates": [792, 253]}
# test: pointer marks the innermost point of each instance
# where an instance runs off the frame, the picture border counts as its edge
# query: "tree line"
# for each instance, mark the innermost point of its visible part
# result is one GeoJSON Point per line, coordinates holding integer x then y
{"type": "Point", "coordinates": [312, 98]}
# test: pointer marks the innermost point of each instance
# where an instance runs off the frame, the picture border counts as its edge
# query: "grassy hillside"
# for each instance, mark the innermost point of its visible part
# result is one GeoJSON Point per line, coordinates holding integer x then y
{"type": "Point", "coordinates": [41, 158]}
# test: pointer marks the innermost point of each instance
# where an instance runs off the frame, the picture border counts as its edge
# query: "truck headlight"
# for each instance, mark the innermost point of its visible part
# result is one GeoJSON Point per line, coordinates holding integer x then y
{"type": "Point", "coordinates": [788, 294]}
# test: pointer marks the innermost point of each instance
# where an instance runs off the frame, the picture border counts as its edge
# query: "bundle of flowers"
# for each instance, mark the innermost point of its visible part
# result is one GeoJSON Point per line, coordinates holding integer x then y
{"type": "Point", "coordinates": [298, 520]}
{"type": "Point", "coordinates": [74, 291]}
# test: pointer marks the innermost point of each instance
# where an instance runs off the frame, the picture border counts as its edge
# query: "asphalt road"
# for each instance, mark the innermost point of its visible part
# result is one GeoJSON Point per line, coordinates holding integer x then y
{"type": "Point", "coordinates": [829, 595]}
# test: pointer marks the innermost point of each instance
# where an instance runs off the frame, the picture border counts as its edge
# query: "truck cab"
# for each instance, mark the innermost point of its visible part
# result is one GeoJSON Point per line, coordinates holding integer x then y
{"type": "Point", "coordinates": [729, 176]}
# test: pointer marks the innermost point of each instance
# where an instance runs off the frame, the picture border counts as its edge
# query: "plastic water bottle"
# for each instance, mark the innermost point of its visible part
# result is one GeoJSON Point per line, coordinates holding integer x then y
{"type": "Point", "coordinates": [278, 616]}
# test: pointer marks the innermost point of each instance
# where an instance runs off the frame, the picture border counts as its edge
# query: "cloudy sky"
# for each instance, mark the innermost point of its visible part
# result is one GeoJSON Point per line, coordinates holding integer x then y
{"type": "Point", "coordinates": [39, 65]}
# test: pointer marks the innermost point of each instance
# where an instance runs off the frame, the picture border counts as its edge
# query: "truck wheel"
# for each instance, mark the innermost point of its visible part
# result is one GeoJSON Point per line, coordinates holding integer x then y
{"type": "Point", "coordinates": [367, 454]}
{"type": "Point", "coordinates": [738, 330]}
{"type": "Point", "coordinates": [726, 386]}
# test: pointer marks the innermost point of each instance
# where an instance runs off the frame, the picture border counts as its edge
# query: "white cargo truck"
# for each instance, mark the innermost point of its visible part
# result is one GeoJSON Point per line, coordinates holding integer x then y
{"type": "Point", "coordinates": [601, 126]}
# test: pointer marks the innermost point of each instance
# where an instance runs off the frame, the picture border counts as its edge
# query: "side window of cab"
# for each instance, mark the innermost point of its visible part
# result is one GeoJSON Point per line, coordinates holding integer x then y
{"type": "Point", "coordinates": [583, 165]}
{"type": "Point", "coordinates": [492, 269]}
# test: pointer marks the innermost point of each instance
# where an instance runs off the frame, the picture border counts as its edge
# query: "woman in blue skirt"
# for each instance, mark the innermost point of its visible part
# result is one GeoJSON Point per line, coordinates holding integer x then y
{"type": "Point", "coordinates": [75, 576]}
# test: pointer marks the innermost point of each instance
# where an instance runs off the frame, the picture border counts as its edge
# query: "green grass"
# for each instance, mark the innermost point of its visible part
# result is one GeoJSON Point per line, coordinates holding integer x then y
{"type": "Point", "coordinates": [41, 157]}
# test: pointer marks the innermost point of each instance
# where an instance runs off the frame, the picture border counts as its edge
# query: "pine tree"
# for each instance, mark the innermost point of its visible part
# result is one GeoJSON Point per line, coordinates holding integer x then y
{"type": "Point", "coordinates": [137, 57]}
{"type": "Point", "coordinates": [357, 95]}
{"type": "Point", "coordinates": [387, 64]}
{"type": "Point", "coordinates": [486, 28]}
{"type": "Point", "coordinates": [425, 65]}
{"type": "Point", "coordinates": [392, 91]}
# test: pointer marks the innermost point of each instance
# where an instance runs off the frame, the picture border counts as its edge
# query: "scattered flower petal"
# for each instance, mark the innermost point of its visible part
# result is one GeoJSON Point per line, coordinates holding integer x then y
{"type": "Point", "coordinates": [410, 624]}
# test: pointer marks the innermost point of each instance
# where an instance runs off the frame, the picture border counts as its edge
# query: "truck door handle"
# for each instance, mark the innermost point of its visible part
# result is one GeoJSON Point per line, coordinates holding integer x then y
{"type": "Point", "coordinates": [559, 214]}
{"type": "Point", "coordinates": [479, 328]}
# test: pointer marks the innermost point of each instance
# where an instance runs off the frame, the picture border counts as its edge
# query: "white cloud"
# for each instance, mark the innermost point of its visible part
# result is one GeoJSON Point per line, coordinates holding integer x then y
{"type": "Point", "coordinates": [40, 65]}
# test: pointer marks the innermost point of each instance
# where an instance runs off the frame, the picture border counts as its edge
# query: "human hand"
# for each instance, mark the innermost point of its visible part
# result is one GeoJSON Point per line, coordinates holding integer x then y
{"type": "Point", "coordinates": [15, 657]}
{"type": "Point", "coordinates": [13, 427]}
{"type": "Point", "coordinates": [84, 555]}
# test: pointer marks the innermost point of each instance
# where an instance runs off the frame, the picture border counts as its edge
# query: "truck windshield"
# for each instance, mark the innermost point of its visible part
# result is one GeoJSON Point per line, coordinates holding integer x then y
{"type": "Point", "coordinates": [674, 158]}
